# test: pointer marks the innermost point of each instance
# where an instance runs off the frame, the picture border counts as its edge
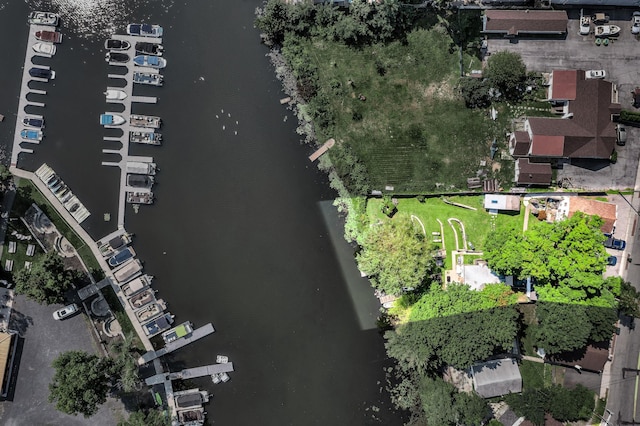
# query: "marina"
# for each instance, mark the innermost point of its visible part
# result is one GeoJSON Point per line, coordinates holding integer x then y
{"type": "Point", "coordinates": [55, 185]}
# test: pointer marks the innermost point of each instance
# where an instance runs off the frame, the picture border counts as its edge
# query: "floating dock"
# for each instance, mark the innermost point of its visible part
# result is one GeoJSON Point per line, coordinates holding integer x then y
{"type": "Point", "coordinates": [197, 334]}
{"type": "Point", "coordinates": [324, 148]}
{"type": "Point", "coordinates": [191, 373]}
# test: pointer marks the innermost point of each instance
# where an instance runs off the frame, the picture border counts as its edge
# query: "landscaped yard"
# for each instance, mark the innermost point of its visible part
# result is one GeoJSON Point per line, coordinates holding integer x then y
{"type": "Point", "coordinates": [20, 256]}
{"type": "Point", "coordinates": [412, 130]}
{"type": "Point", "coordinates": [478, 223]}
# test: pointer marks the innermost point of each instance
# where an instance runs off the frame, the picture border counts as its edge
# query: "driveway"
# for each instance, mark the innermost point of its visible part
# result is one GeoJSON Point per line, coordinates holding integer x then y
{"type": "Point", "coordinates": [619, 60]}
{"type": "Point", "coordinates": [43, 340]}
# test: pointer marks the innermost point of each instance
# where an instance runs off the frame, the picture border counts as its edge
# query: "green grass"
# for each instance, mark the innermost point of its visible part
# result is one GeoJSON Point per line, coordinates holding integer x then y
{"type": "Point", "coordinates": [415, 132]}
{"type": "Point", "coordinates": [535, 375]}
{"type": "Point", "coordinates": [20, 256]}
{"type": "Point", "coordinates": [26, 187]}
{"type": "Point", "coordinates": [477, 223]}
{"type": "Point", "coordinates": [122, 317]}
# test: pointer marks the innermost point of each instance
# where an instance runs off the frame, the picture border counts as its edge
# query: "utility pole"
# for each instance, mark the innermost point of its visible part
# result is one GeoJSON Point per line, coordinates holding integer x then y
{"type": "Point", "coordinates": [628, 202]}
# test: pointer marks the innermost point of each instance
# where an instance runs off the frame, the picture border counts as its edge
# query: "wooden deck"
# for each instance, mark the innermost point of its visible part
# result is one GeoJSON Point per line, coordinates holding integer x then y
{"type": "Point", "coordinates": [324, 148]}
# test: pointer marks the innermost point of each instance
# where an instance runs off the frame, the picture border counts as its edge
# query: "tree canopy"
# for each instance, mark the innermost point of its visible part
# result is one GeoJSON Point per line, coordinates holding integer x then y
{"type": "Point", "coordinates": [152, 417]}
{"type": "Point", "coordinates": [46, 281]}
{"type": "Point", "coordinates": [566, 259]}
{"type": "Point", "coordinates": [506, 72]}
{"type": "Point", "coordinates": [563, 404]}
{"type": "Point", "coordinates": [443, 405]}
{"type": "Point", "coordinates": [395, 255]}
{"type": "Point", "coordinates": [81, 382]}
{"type": "Point", "coordinates": [457, 326]}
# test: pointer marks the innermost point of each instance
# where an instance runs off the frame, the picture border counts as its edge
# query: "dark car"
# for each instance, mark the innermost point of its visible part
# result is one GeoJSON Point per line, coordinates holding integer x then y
{"type": "Point", "coordinates": [612, 260]}
{"type": "Point", "coordinates": [614, 243]}
{"type": "Point", "coordinates": [636, 97]}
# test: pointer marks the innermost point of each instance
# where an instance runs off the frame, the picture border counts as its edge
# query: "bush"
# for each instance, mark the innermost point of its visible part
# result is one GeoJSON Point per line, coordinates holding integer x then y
{"type": "Point", "coordinates": [630, 117]}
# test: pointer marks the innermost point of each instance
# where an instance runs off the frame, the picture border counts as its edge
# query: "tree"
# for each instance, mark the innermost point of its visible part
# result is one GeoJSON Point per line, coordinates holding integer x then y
{"type": "Point", "coordinates": [629, 299]}
{"type": "Point", "coordinates": [472, 409]}
{"type": "Point", "coordinates": [81, 382]}
{"type": "Point", "coordinates": [395, 255]}
{"type": "Point", "coordinates": [562, 327]}
{"type": "Point", "coordinates": [506, 72]}
{"type": "Point", "coordinates": [443, 405]}
{"type": "Point", "coordinates": [571, 404]}
{"type": "Point", "coordinates": [46, 281]}
{"type": "Point", "coordinates": [531, 403]}
{"type": "Point", "coordinates": [475, 92]}
{"type": "Point", "coordinates": [152, 417]}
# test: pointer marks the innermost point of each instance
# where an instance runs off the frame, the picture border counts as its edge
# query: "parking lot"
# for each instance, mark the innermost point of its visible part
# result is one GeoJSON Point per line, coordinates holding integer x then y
{"type": "Point", "coordinates": [43, 339]}
{"type": "Point", "coordinates": [575, 51]}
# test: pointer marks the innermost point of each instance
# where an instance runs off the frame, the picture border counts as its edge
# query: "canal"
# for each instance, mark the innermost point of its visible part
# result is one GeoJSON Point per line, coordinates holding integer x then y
{"type": "Point", "coordinates": [243, 233]}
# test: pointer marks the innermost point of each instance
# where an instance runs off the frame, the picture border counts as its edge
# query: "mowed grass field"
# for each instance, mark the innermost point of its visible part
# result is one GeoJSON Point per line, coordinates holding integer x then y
{"type": "Point", "coordinates": [413, 130]}
{"type": "Point", "coordinates": [477, 223]}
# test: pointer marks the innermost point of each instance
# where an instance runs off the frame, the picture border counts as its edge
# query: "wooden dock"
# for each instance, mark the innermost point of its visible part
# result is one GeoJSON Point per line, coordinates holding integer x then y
{"type": "Point", "coordinates": [197, 334]}
{"type": "Point", "coordinates": [190, 373]}
{"type": "Point", "coordinates": [324, 148]}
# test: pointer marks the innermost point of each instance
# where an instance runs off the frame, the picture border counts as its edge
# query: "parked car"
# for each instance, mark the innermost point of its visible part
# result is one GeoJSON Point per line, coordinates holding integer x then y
{"type": "Point", "coordinates": [612, 260]}
{"type": "Point", "coordinates": [66, 312]}
{"type": "Point", "coordinates": [621, 131]}
{"type": "Point", "coordinates": [585, 25]}
{"type": "Point", "coordinates": [635, 23]}
{"type": "Point", "coordinates": [595, 74]}
{"type": "Point", "coordinates": [600, 18]}
{"type": "Point", "coordinates": [614, 243]}
{"type": "Point", "coordinates": [636, 97]}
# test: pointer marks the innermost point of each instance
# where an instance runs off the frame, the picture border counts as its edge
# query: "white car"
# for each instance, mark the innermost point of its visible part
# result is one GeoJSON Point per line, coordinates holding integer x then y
{"type": "Point", "coordinates": [595, 74]}
{"type": "Point", "coordinates": [585, 25]}
{"type": "Point", "coordinates": [65, 312]}
{"type": "Point", "coordinates": [635, 23]}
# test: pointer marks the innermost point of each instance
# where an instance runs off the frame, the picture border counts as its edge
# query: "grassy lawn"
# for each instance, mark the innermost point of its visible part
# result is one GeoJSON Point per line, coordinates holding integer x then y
{"type": "Point", "coordinates": [477, 223]}
{"type": "Point", "coordinates": [413, 131]}
{"type": "Point", "coordinates": [20, 256]}
{"type": "Point", "coordinates": [535, 375]}
{"type": "Point", "coordinates": [33, 195]}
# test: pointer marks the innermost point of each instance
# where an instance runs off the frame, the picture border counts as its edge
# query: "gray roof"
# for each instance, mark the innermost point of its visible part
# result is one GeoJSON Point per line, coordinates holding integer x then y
{"type": "Point", "coordinates": [496, 378]}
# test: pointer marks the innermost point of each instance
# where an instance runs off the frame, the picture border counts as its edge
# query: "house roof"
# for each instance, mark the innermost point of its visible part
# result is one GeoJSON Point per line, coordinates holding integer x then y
{"type": "Point", "coordinates": [528, 173]}
{"type": "Point", "coordinates": [520, 143]}
{"type": "Point", "coordinates": [502, 202]}
{"type": "Point", "coordinates": [591, 358]}
{"type": "Point", "coordinates": [590, 133]}
{"type": "Point", "coordinates": [547, 145]}
{"type": "Point", "coordinates": [514, 22]}
{"type": "Point", "coordinates": [5, 347]}
{"type": "Point", "coordinates": [564, 84]}
{"type": "Point", "coordinates": [496, 378]}
{"type": "Point", "coordinates": [607, 211]}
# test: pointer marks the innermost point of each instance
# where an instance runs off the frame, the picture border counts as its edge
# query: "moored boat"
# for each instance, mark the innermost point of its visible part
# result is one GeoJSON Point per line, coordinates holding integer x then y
{"type": "Point", "coordinates": [149, 48]}
{"type": "Point", "coordinates": [141, 168]}
{"type": "Point", "coordinates": [148, 312]}
{"type": "Point", "coordinates": [31, 135]}
{"type": "Point", "coordinates": [149, 121]}
{"type": "Point", "coordinates": [33, 122]}
{"type": "Point", "coordinates": [113, 44]}
{"type": "Point", "coordinates": [184, 329]}
{"type": "Point", "coordinates": [140, 181]}
{"type": "Point", "coordinates": [150, 61]}
{"type": "Point", "coordinates": [142, 298]}
{"type": "Point", "coordinates": [158, 325]}
{"type": "Point", "coordinates": [121, 257]}
{"type": "Point", "coordinates": [42, 73]}
{"type": "Point", "coordinates": [144, 30]}
{"type": "Point", "coordinates": [115, 95]}
{"type": "Point", "coordinates": [150, 138]}
{"type": "Point", "coordinates": [116, 57]}
{"type": "Point", "coordinates": [136, 285]}
{"type": "Point", "coordinates": [110, 119]}
{"type": "Point", "coordinates": [44, 48]}
{"type": "Point", "coordinates": [153, 79]}
{"type": "Point", "coordinates": [117, 243]}
{"type": "Point", "coordinates": [607, 30]}
{"type": "Point", "coordinates": [43, 18]}
{"type": "Point", "coordinates": [50, 36]}
{"type": "Point", "coordinates": [140, 197]}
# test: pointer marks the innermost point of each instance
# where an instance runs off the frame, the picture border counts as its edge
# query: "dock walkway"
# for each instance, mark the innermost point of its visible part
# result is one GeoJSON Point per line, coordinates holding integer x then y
{"type": "Point", "coordinates": [191, 373]}
{"type": "Point", "coordinates": [324, 148]}
{"type": "Point", "coordinates": [197, 334]}
{"type": "Point", "coordinates": [25, 90]}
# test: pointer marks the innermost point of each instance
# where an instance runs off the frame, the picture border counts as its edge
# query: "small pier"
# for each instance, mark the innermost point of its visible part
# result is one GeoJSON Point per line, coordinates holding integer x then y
{"type": "Point", "coordinates": [324, 148]}
{"type": "Point", "coordinates": [144, 99]}
{"type": "Point", "coordinates": [191, 373]}
{"type": "Point", "coordinates": [177, 344]}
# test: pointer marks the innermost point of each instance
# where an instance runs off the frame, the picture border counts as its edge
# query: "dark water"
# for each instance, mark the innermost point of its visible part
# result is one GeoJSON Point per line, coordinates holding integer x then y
{"type": "Point", "coordinates": [242, 235]}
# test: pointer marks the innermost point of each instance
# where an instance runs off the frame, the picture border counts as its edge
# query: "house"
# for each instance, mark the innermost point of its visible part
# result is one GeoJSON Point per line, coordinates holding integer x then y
{"type": "Point", "coordinates": [511, 23]}
{"type": "Point", "coordinates": [8, 342]}
{"type": "Point", "coordinates": [496, 378]}
{"type": "Point", "coordinates": [585, 131]}
{"type": "Point", "coordinates": [499, 202]}
{"type": "Point", "coordinates": [592, 358]}
{"type": "Point", "coordinates": [607, 211]}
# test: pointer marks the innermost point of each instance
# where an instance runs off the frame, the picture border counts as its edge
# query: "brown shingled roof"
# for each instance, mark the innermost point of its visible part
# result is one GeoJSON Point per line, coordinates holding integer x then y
{"type": "Point", "coordinates": [514, 22]}
{"type": "Point", "coordinates": [520, 143]}
{"type": "Point", "coordinates": [547, 146]}
{"type": "Point", "coordinates": [607, 211]}
{"type": "Point", "coordinates": [533, 173]}
{"type": "Point", "coordinates": [563, 84]}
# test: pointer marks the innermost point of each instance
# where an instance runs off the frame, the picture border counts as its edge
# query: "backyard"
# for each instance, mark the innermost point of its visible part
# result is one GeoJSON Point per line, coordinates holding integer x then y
{"type": "Point", "coordinates": [397, 107]}
{"type": "Point", "coordinates": [478, 223]}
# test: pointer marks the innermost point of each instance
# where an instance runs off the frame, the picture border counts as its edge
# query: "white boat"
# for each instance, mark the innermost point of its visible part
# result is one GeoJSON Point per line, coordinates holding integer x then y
{"type": "Point", "coordinates": [221, 359]}
{"type": "Point", "coordinates": [110, 119]}
{"type": "Point", "coordinates": [43, 18]}
{"type": "Point", "coordinates": [150, 61]}
{"type": "Point", "coordinates": [607, 30]}
{"type": "Point", "coordinates": [144, 30]}
{"type": "Point", "coordinates": [44, 48]}
{"type": "Point", "coordinates": [115, 95]}
{"type": "Point", "coordinates": [149, 121]}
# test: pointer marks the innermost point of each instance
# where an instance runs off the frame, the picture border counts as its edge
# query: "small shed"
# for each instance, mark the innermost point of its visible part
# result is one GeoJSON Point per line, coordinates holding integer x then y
{"type": "Point", "coordinates": [496, 378]}
{"type": "Point", "coordinates": [499, 202]}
